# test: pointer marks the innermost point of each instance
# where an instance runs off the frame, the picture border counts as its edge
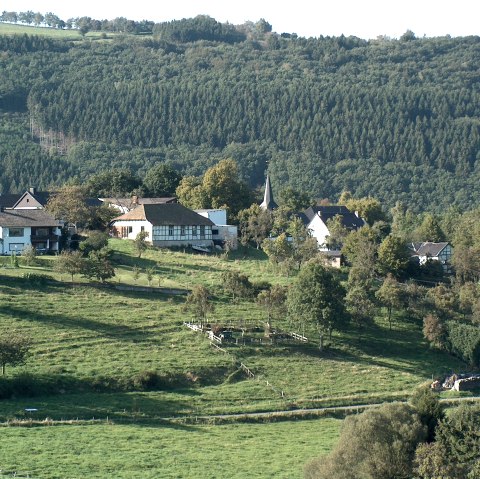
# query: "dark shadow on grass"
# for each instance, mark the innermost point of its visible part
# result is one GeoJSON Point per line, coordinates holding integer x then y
{"type": "Point", "coordinates": [112, 331]}
{"type": "Point", "coordinates": [122, 259]}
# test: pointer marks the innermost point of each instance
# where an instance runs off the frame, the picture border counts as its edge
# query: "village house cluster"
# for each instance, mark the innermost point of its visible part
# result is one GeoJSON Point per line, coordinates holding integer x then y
{"type": "Point", "coordinates": [166, 223]}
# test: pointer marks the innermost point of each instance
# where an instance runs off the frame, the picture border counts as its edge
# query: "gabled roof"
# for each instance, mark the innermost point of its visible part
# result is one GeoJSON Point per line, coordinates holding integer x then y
{"type": "Point", "coordinates": [164, 214]}
{"type": "Point", "coordinates": [430, 249]}
{"type": "Point", "coordinates": [9, 199]}
{"type": "Point", "coordinates": [40, 199]}
{"type": "Point", "coordinates": [27, 218]}
{"type": "Point", "coordinates": [268, 202]}
{"type": "Point", "coordinates": [133, 202]}
{"type": "Point", "coordinates": [349, 220]}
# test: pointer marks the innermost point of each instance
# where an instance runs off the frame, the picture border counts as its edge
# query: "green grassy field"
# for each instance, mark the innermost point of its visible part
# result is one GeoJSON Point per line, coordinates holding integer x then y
{"type": "Point", "coordinates": [132, 451]}
{"type": "Point", "coordinates": [91, 345]}
{"type": "Point", "coordinates": [12, 29]}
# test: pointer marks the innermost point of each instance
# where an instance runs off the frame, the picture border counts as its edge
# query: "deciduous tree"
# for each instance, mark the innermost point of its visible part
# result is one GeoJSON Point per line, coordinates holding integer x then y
{"type": "Point", "coordinates": [390, 296]}
{"type": "Point", "coordinates": [198, 302]}
{"type": "Point", "coordinates": [379, 443]}
{"type": "Point", "coordinates": [70, 262]}
{"type": "Point", "coordinates": [14, 349]}
{"type": "Point", "coordinates": [140, 244]}
{"type": "Point", "coordinates": [317, 298]}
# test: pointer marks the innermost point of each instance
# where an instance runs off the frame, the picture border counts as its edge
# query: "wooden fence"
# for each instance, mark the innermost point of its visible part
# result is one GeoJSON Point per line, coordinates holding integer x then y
{"type": "Point", "coordinates": [299, 337]}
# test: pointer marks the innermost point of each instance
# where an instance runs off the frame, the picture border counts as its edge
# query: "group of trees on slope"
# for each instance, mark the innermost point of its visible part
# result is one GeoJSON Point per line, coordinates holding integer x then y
{"type": "Point", "coordinates": [406, 112]}
{"type": "Point", "coordinates": [403, 441]}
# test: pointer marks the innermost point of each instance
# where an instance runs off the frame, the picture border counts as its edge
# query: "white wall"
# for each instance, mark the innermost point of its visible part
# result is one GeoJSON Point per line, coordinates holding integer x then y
{"type": "Point", "coordinates": [319, 231]}
{"type": "Point", "coordinates": [219, 217]}
{"type": "Point", "coordinates": [136, 227]}
{"type": "Point", "coordinates": [227, 233]}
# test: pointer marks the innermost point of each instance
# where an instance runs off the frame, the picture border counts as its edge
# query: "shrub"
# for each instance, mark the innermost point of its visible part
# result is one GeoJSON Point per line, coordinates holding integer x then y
{"type": "Point", "coordinates": [37, 279]}
{"type": "Point", "coordinates": [464, 341]}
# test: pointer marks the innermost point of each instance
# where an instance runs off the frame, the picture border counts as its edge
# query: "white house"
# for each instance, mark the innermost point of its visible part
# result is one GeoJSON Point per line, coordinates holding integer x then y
{"type": "Point", "coordinates": [316, 219]}
{"type": "Point", "coordinates": [221, 231]}
{"type": "Point", "coordinates": [441, 252]}
{"type": "Point", "coordinates": [167, 224]}
{"type": "Point", "coordinates": [24, 227]}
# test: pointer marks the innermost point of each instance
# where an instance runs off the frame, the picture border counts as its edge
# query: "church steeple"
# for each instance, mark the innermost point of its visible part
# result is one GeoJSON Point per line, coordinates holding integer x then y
{"type": "Point", "coordinates": [268, 201]}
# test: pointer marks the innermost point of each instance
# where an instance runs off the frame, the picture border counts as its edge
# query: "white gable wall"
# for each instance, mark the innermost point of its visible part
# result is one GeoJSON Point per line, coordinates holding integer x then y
{"type": "Point", "coordinates": [319, 231]}
{"type": "Point", "coordinates": [219, 217]}
{"type": "Point", "coordinates": [130, 229]}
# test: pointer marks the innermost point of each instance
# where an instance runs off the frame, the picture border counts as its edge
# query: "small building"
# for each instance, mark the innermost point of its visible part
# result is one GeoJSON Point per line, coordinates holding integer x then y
{"type": "Point", "coordinates": [333, 258]}
{"type": "Point", "coordinates": [316, 219]}
{"type": "Point", "coordinates": [167, 224]}
{"type": "Point", "coordinates": [429, 251]}
{"type": "Point", "coordinates": [20, 228]}
{"type": "Point", "coordinates": [222, 233]}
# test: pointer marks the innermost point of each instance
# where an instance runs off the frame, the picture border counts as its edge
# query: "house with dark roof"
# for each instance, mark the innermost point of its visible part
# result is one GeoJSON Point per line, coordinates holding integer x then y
{"type": "Point", "coordinates": [167, 224]}
{"type": "Point", "coordinates": [31, 199]}
{"type": "Point", "coordinates": [429, 251]}
{"type": "Point", "coordinates": [20, 228]}
{"type": "Point", "coordinates": [316, 218]}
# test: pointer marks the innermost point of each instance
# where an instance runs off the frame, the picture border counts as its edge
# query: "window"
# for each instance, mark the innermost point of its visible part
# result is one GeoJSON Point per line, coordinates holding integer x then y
{"type": "Point", "coordinates": [170, 230]}
{"type": "Point", "coordinates": [16, 246]}
{"type": "Point", "coordinates": [142, 228]}
{"type": "Point", "coordinates": [214, 232]}
{"type": "Point", "coordinates": [202, 231]}
{"type": "Point", "coordinates": [41, 232]}
{"type": "Point", "coordinates": [194, 231]}
{"type": "Point", "coordinates": [126, 230]}
{"type": "Point", "coordinates": [182, 230]}
{"type": "Point", "coordinates": [15, 232]}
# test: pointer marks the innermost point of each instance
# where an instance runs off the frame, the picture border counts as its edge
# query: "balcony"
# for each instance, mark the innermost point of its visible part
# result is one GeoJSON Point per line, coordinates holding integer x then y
{"type": "Point", "coordinates": [38, 238]}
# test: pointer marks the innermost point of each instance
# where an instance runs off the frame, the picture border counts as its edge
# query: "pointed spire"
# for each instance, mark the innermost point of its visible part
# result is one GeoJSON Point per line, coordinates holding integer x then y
{"type": "Point", "coordinates": [268, 201]}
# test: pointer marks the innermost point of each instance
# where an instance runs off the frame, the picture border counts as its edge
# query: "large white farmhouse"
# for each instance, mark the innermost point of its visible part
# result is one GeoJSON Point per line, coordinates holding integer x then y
{"type": "Point", "coordinates": [167, 224]}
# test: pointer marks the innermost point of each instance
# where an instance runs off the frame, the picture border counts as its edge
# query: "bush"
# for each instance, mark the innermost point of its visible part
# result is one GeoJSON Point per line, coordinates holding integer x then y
{"type": "Point", "coordinates": [37, 279]}
{"type": "Point", "coordinates": [96, 241]}
{"type": "Point", "coordinates": [464, 341]}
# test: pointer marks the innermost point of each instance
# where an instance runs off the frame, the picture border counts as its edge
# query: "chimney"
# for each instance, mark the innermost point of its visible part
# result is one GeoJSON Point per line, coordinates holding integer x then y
{"type": "Point", "coordinates": [32, 190]}
{"type": "Point", "coordinates": [135, 200]}
{"type": "Point", "coordinates": [357, 214]}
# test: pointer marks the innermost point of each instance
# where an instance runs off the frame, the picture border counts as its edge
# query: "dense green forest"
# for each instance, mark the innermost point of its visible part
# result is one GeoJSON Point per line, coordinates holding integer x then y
{"type": "Point", "coordinates": [394, 119]}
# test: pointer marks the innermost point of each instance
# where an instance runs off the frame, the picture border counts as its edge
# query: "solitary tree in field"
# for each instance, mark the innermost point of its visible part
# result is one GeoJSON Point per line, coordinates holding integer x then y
{"type": "Point", "coordinates": [237, 284]}
{"type": "Point", "coordinates": [70, 262]}
{"type": "Point", "coordinates": [98, 265]}
{"type": "Point", "coordinates": [198, 302]}
{"type": "Point", "coordinates": [13, 350]}
{"type": "Point", "coordinates": [273, 302]}
{"type": "Point", "coordinates": [390, 296]}
{"type": "Point", "coordinates": [140, 244]}
{"type": "Point", "coordinates": [316, 297]}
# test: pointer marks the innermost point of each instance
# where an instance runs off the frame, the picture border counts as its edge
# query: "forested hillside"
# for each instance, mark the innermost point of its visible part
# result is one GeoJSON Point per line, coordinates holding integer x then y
{"type": "Point", "coordinates": [395, 119]}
